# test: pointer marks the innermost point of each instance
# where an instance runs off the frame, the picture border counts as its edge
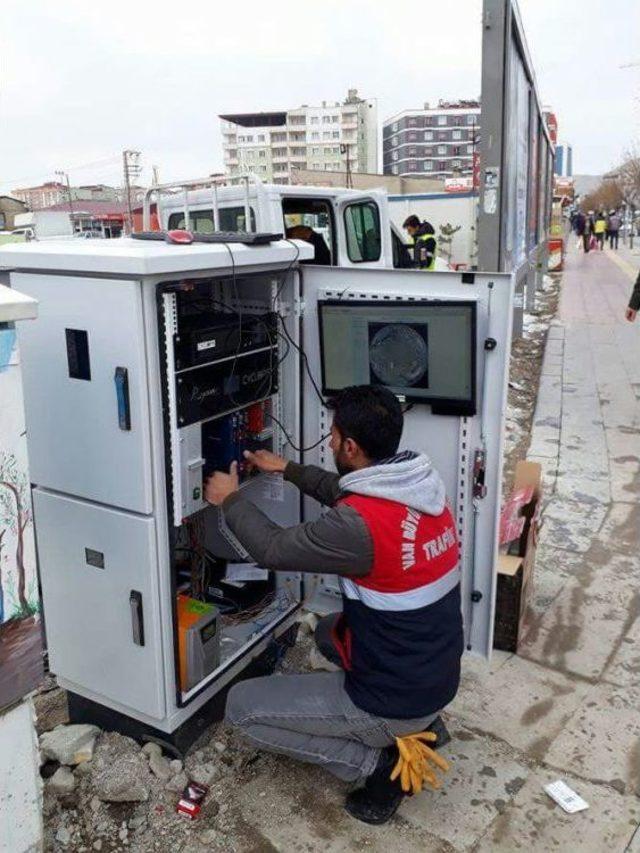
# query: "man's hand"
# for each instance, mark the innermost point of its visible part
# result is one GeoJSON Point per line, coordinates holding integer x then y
{"type": "Point", "coordinates": [630, 314]}
{"type": "Point", "coordinates": [266, 461]}
{"type": "Point", "coordinates": [220, 485]}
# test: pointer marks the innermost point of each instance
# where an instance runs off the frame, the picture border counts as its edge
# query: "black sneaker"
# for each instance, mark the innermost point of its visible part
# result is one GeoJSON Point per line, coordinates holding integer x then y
{"type": "Point", "coordinates": [379, 799]}
{"type": "Point", "coordinates": [440, 731]}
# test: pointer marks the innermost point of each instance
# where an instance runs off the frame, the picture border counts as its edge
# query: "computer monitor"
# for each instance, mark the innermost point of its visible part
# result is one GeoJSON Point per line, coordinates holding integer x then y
{"type": "Point", "coordinates": [423, 351]}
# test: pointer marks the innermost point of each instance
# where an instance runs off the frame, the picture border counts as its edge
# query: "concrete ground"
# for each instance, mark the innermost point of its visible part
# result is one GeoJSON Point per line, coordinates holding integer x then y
{"type": "Point", "coordinates": [568, 706]}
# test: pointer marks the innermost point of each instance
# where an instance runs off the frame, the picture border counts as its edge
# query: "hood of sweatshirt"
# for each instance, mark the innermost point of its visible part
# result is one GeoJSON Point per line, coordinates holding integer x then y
{"type": "Point", "coordinates": [408, 478]}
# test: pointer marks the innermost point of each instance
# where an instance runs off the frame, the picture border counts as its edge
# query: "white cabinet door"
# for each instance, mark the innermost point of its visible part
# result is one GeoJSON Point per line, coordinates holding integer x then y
{"type": "Point", "coordinates": [88, 435]}
{"type": "Point", "coordinates": [453, 441]}
{"type": "Point", "coordinates": [98, 569]}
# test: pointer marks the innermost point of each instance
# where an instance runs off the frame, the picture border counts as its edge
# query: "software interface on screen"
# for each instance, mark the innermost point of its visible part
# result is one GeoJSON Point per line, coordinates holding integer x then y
{"type": "Point", "coordinates": [423, 351]}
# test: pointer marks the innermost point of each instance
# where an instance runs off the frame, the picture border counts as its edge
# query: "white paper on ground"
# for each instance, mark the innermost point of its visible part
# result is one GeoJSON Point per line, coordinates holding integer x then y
{"type": "Point", "coordinates": [245, 572]}
{"type": "Point", "coordinates": [565, 797]}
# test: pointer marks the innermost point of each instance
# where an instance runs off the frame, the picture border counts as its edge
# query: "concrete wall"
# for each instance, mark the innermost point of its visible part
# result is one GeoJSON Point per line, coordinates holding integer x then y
{"type": "Point", "coordinates": [20, 630]}
{"type": "Point", "coordinates": [20, 785]}
{"type": "Point", "coordinates": [366, 181]}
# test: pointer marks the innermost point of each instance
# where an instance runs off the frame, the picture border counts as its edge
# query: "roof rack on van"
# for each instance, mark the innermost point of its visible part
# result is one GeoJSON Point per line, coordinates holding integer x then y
{"type": "Point", "coordinates": [212, 182]}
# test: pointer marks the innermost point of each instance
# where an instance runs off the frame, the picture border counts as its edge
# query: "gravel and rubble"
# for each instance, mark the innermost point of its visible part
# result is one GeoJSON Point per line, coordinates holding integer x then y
{"type": "Point", "coordinates": [524, 376]}
{"type": "Point", "coordinates": [124, 797]}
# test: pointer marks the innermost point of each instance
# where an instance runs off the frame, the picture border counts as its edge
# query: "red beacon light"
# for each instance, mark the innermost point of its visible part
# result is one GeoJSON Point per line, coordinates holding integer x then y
{"type": "Point", "coordinates": [179, 235]}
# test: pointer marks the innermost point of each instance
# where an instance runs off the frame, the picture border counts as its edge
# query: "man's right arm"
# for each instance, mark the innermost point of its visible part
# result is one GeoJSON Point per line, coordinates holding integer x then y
{"type": "Point", "coordinates": [313, 481]}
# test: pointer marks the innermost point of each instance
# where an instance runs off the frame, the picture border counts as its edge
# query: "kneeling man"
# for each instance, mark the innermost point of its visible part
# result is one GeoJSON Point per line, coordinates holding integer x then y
{"type": "Point", "coordinates": [391, 538]}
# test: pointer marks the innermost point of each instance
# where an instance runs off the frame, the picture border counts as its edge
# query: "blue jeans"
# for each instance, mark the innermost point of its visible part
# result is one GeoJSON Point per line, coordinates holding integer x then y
{"type": "Point", "coordinates": [310, 717]}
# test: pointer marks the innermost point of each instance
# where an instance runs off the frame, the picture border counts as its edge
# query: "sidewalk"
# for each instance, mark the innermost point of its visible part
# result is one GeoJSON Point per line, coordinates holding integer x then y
{"type": "Point", "coordinates": [568, 706]}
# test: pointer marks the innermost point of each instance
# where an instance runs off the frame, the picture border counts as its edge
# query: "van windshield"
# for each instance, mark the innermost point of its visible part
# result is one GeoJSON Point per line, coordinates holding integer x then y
{"type": "Point", "coordinates": [201, 221]}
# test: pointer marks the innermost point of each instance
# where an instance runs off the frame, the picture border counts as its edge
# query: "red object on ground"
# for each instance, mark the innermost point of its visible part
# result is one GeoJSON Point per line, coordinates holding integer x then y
{"type": "Point", "coordinates": [190, 803]}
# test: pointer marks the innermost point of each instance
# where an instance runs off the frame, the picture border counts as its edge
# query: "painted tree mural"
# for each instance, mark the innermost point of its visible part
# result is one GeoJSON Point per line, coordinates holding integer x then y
{"type": "Point", "coordinates": [15, 515]}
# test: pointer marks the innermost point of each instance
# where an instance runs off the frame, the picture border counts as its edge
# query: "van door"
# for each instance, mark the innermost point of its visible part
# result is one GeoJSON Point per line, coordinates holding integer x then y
{"type": "Point", "coordinates": [454, 387]}
{"type": "Point", "coordinates": [363, 231]}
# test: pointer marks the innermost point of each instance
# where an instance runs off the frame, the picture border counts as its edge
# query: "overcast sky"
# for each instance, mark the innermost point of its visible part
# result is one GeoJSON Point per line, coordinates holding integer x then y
{"type": "Point", "coordinates": [80, 81]}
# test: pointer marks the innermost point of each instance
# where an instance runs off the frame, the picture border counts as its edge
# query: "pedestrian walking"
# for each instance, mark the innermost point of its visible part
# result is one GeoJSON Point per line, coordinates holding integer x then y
{"type": "Point", "coordinates": [583, 230]}
{"type": "Point", "coordinates": [615, 223]}
{"type": "Point", "coordinates": [599, 228]}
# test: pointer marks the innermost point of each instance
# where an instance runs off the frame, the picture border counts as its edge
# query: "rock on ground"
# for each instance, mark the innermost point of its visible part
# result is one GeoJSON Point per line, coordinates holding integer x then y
{"type": "Point", "coordinates": [119, 770]}
{"type": "Point", "coordinates": [62, 783]}
{"type": "Point", "coordinates": [69, 744]}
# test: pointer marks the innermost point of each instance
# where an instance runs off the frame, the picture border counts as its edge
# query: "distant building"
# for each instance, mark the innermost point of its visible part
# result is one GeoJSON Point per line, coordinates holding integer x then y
{"type": "Point", "coordinates": [9, 206]}
{"type": "Point", "coordinates": [53, 192]}
{"type": "Point", "coordinates": [368, 181]}
{"type": "Point", "coordinates": [332, 137]}
{"type": "Point", "coordinates": [96, 216]}
{"type": "Point", "coordinates": [438, 142]}
{"type": "Point", "coordinates": [564, 161]}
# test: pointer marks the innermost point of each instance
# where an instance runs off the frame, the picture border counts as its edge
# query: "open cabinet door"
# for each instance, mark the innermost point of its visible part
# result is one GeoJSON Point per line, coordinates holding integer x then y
{"type": "Point", "coordinates": [457, 327]}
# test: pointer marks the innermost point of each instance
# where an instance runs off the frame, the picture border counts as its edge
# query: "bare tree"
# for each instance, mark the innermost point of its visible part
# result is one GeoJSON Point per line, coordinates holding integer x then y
{"type": "Point", "coordinates": [608, 196]}
{"type": "Point", "coordinates": [628, 175]}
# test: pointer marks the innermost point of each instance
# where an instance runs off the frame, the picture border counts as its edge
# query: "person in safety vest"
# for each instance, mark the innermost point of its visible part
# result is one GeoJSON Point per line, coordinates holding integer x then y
{"type": "Point", "coordinates": [599, 228]}
{"type": "Point", "coordinates": [391, 538]}
{"type": "Point", "coordinates": [423, 237]}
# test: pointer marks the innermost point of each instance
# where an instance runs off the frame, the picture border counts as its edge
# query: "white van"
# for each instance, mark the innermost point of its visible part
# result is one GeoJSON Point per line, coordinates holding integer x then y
{"type": "Point", "coordinates": [353, 227]}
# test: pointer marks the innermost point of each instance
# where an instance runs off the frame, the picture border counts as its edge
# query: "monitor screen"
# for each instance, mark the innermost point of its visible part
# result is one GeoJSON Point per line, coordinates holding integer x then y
{"type": "Point", "coordinates": [422, 351]}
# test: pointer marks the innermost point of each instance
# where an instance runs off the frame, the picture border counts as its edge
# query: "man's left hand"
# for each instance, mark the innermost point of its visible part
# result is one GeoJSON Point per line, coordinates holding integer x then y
{"type": "Point", "coordinates": [220, 485]}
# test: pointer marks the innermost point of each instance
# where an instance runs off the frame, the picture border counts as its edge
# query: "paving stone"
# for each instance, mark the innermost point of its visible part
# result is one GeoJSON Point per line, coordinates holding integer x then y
{"type": "Point", "coordinates": [588, 619]}
{"type": "Point", "coordinates": [484, 776]}
{"type": "Point", "coordinates": [533, 822]}
{"type": "Point", "coordinates": [602, 740]}
{"type": "Point", "coordinates": [521, 703]}
{"type": "Point", "coordinates": [624, 668]}
{"type": "Point", "coordinates": [572, 525]}
{"type": "Point", "coordinates": [308, 813]}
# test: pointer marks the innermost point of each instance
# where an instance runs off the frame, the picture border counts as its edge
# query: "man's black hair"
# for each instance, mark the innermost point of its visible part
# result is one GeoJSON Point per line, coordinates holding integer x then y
{"type": "Point", "coordinates": [370, 415]}
{"type": "Point", "coordinates": [411, 222]}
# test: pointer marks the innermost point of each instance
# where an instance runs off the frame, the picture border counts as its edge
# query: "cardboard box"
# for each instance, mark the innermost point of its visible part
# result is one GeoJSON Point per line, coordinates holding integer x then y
{"type": "Point", "coordinates": [519, 537]}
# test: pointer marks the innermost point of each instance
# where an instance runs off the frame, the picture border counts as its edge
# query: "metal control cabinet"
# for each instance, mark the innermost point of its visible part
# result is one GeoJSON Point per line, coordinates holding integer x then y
{"type": "Point", "coordinates": [115, 472]}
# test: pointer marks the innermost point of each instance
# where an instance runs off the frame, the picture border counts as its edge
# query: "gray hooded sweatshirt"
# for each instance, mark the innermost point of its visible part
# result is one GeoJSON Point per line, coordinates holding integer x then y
{"type": "Point", "coordinates": [338, 542]}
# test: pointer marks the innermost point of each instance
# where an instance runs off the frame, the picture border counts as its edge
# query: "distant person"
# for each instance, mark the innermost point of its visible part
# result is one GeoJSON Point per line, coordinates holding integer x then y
{"type": "Point", "coordinates": [634, 303]}
{"type": "Point", "coordinates": [615, 224]}
{"type": "Point", "coordinates": [322, 255]}
{"type": "Point", "coordinates": [599, 228]}
{"type": "Point", "coordinates": [424, 242]}
{"type": "Point", "coordinates": [582, 230]}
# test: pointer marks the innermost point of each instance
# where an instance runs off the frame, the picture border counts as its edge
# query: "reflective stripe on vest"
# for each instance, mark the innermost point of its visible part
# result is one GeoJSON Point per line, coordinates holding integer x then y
{"type": "Point", "coordinates": [423, 238]}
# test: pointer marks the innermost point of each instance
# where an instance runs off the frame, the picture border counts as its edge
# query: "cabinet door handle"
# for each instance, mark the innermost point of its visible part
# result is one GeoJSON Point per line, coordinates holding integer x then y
{"type": "Point", "coordinates": [121, 379]}
{"type": "Point", "coordinates": [137, 617]}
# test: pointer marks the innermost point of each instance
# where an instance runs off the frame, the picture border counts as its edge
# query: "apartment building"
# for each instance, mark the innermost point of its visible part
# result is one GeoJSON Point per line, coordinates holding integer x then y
{"type": "Point", "coordinates": [54, 192]}
{"type": "Point", "coordinates": [438, 142]}
{"type": "Point", "coordinates": [331, 137]}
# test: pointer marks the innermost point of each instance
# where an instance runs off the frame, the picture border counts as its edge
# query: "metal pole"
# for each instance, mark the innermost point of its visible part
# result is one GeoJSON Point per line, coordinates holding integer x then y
{"type": "Point", "coordinates": [247, 207]}
{"type": "Point", "coordinates": [216, 212]}
{"type": "Point", "coordinates": [185, 197]}
{"type": "Point", "coordinates": [127, 185]}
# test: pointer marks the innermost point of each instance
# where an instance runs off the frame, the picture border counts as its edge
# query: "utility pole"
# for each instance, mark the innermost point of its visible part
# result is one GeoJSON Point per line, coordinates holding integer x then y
{"type": "Point", "coordinates": [64, 179]}
{"type": "Point", "coordinates": [131, 169]}
{"type": "Point", "coordinates": [344, 149]}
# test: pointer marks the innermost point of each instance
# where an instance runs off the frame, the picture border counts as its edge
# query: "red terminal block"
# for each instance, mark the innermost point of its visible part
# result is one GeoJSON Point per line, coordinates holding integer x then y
{"type": "Point", "coordinates": [255, 418]}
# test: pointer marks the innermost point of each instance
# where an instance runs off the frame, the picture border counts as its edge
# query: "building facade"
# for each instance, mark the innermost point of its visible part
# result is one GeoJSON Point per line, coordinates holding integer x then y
{"type": "Point", "coordinates": [53, 192]}
{"type": "Point", "coordinates": [439, 142]}
{"type": "Point", "coordinates": [332, 137]}
{"type": "Point", "coordinates": [564, 161]}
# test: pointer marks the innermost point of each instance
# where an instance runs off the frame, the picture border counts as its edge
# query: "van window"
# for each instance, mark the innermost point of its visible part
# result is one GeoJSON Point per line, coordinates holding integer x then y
{"type": "Point", "coordinates": [362, 224]}
{"type": "Point", "coordinates": [311, 220]}
{"type": "Point", "coordinates": [201, 221]}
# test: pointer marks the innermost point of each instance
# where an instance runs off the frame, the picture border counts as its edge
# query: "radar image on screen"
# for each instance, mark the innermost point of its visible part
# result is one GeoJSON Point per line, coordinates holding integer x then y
{"type": "Point", "coordinates": [399, 354]}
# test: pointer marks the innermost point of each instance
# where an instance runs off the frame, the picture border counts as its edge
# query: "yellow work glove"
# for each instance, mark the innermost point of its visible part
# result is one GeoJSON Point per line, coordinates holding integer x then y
{"type": "Point", "coordinates": [414, 764]}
